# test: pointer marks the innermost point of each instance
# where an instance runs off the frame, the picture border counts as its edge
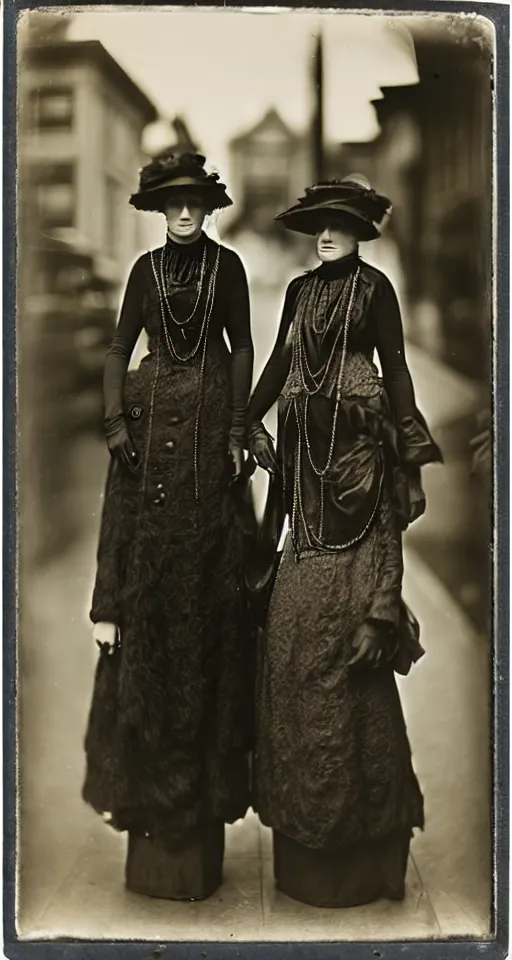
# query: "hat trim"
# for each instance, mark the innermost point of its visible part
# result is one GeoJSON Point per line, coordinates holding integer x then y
{"type": "Point", "coordinates": [215, 195]}
{"type": "Point", "coordinates": [334, 206]}
{"type": "Point", "coordinates": [181, 182]}
{"type": "Point", "coordinates": [303, 214]}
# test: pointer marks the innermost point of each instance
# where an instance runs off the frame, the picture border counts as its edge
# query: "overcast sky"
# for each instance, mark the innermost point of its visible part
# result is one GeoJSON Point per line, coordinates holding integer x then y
{"type": "Point", "coordinates": [223, 70]}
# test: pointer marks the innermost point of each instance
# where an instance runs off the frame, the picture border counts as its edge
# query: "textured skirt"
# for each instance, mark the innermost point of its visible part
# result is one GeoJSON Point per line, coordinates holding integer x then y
{"type": "Point", "coordinates": [333, 761]}
{"type": "Point", "coordinates": [167, 737]}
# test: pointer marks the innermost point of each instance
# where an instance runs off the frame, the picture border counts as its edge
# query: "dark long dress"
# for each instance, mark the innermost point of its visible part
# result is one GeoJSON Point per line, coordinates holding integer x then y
{"type": "Point", "coordinates": [334, 777]}
{"type": "Point", "coordinates": [166, 745]}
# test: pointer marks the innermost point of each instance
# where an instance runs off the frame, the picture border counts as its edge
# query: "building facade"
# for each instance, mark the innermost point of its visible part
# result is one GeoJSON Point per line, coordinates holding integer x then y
{"type": "Point", "coordinates": [270, 165]}
{"type": "Point", "coordinates": [434, 159]}
{"type": "Point", "coordinates": [81, 120]}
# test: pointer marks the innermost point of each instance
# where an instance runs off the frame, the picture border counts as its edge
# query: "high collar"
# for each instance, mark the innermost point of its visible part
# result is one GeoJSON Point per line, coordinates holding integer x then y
{"type": "Point", "coordinates": [337, 269]}
{"type": "Point", "coordinates": [187, 249]}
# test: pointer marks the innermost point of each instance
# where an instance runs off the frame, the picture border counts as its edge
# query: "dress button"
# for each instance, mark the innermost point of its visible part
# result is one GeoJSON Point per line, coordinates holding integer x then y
{"type": "Point", "coordinates": [174, 420]}
{"type": "Point", "coordinates": [160, 486]}
{"type": "Point", "coordinates": [136, 413]}
{"type": "Point", "coordinates": [170, 444]}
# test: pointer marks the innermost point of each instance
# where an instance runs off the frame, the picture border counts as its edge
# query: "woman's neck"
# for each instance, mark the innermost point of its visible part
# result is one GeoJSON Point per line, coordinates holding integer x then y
{"type": "Point", "coordinates": [187, 246]}
{"type": "Point", "coordinates": [335, 269]}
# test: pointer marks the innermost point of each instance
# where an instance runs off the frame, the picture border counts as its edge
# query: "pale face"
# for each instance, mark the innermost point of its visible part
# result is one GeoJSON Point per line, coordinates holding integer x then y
{"type": "Point", "coordinates": [185, 215]}
{"type": "Point", "coordinates": [333, 243]}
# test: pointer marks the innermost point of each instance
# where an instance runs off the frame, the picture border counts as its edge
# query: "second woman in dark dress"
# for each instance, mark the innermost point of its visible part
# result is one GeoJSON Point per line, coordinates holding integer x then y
{"type": "Point", "coordinates": [334, 777]}
{"type": "Point", "coordinates": [167, 740]}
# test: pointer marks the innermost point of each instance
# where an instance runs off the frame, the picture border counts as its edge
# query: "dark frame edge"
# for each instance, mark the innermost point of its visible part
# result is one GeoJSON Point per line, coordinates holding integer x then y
{"type": "Point", "coordinates": [461, 949]}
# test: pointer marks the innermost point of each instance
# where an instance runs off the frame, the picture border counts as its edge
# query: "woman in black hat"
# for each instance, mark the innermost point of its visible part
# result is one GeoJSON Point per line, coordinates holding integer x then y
{"type": "Point", "coordinates": [334, 777]}
{"type": "Point", "coordinates": [166, 742]}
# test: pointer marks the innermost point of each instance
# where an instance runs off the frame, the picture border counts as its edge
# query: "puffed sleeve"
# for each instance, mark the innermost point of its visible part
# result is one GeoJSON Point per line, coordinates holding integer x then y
{"type": "Point", "coordinates": [238, 328]}
{"type": "Point", "coordinates": [416, 444]}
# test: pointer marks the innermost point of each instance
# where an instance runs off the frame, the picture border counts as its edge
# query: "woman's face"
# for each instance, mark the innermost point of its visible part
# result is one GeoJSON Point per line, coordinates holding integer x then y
{"type": "Point", "coordinates": [332, 242]}
{"type": "Point", "coordinates": [185, 213]}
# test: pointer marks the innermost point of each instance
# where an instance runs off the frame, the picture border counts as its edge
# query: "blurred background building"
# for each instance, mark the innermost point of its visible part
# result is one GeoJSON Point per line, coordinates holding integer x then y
{"type": "Point", "coordinates": [434, 157]}
{"type": "Point", "coordinates": [80, 129]}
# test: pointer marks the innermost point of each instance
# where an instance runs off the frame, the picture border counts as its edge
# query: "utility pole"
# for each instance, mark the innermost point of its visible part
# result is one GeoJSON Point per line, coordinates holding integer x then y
{"type": "Point", "coordinates": [318, 114]}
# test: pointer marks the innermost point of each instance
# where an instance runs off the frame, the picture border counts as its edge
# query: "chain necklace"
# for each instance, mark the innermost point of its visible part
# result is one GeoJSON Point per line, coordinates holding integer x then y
{"type": "Point", "coordinates": [314, 542]}
{"type": "Point", "coordinates": [298, 513]}
{"type": "Point", "coordinates": [310, 382]}
{"type": "Point", "coordinates": [321, 308]}
{"type": "Point", "coordinates": [164, 273]}
{"type": "Point", "coordinates": [202, 339]}
{"type": "Point", "coordinates": [345, 326]}
{"type": "Point", "coordinates": [186, 358]}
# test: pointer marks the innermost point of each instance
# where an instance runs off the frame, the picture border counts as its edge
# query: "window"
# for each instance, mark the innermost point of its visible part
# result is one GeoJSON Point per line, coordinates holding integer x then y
{"type": "Point", "coordinates": [55, 195]}
{"type": "Point", "coordinates": [52, 108]}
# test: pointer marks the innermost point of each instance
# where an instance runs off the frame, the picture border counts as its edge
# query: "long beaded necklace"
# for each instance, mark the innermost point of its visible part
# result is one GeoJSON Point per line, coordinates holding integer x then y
{"type": "Point", "coordinates": [342, 333]}
{"type": "Point", "coordinates": [311, 385]}
{"type": "Point", "coordinates": [202, 340]}
{"type": "Point", "coordinates": [163, 299]}
{"type": "Point", "coordinates": [310, 381]}
{"type": "Point", "coordinates": [315, 542]}
{"type": "Point", "coordinates": [320, 320]}
{"type": "Point", "coordinates": [164, 273]}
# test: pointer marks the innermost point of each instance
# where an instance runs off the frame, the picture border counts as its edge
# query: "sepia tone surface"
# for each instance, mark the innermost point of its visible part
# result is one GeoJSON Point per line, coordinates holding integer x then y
{"type": "Point", "coordinates": [412, 110]}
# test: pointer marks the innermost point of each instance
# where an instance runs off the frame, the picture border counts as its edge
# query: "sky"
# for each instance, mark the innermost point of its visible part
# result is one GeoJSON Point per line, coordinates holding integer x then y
{"type": "Point", "coordinates": [223, 69]}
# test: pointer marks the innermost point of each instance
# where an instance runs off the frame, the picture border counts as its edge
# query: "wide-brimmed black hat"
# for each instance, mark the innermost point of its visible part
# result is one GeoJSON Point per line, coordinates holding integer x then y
{"type": "Point", "coordinates": [172, 172]}
{"type": "Point", "coordinates": [351, 201]}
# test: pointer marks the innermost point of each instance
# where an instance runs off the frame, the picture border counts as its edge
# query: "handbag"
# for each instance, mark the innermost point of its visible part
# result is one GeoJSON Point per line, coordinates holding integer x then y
{"type": "Point", "coordinates": [101, 746]}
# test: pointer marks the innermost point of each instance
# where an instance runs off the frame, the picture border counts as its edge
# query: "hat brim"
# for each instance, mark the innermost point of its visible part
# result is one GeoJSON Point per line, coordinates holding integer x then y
{"type": "Point", "coordinates": [213, 194]}
{"type": "Point", "coordinates": [307, 219]}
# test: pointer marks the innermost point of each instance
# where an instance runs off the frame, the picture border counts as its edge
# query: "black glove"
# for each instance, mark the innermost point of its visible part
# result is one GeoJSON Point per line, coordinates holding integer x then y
{"type": "Point", "coordinates": [236, 452]}
{"type": "Point", "coordinates": [120, 444]}
{"type": "Point", "coordinates": [417, 499]}
{"type": "Point", "coordinates": [261, 446]}
{"type": "Point", "coordinates": [367, 643]}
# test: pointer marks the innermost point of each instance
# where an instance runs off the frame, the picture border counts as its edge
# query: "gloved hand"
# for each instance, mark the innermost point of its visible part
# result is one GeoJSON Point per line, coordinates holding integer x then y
{"type": "Point", "coordinates": [106, 636]}
{"type": "Point", "coordinates": [236, 452]}
{"type": "Point", "coordinates": [417, 499]}
{"type": "Point", "coordinates": [367, 643]}
{"type": "Point", "coordinates": [120, 444]}
{"type": "Point", "coordinates": [261, 446]}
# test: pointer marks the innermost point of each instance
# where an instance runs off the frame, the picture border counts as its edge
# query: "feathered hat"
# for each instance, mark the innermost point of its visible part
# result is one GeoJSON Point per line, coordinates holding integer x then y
{"type": "Point", "coordinates": [171, 172]}
{"type": "Point", "coordinates": [351, 200]}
